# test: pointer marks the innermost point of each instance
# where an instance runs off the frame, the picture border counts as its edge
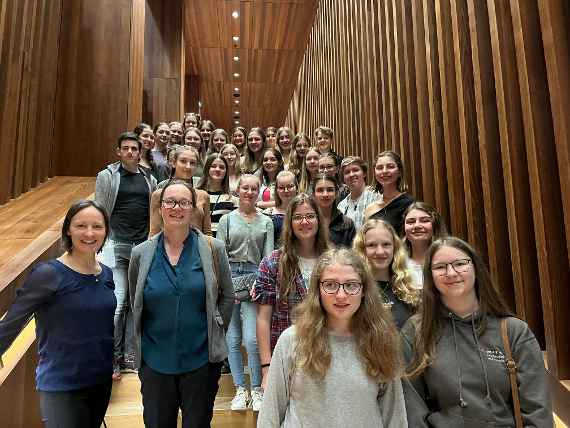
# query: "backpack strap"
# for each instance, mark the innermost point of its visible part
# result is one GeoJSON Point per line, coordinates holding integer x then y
{"type": "Point", "coordinates": [512, 370]}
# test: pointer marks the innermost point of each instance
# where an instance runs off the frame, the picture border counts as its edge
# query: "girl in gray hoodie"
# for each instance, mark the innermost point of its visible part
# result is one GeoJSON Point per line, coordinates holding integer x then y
{"type": "Point", "coordinates": [457, 370]}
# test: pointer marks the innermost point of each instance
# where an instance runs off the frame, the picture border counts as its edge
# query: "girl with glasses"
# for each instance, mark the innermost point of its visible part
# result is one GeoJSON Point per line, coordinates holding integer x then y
{"type": "Point", "coordinates": [456, 355]}
{"type": "Point", "coordinates": [339, 365]}
{"type": "Point", "coordinates": [185, 159]}
{"type": "Point", "coordinates": [283, 277]}
{"type": "Point", "coordinates": [380, 246]}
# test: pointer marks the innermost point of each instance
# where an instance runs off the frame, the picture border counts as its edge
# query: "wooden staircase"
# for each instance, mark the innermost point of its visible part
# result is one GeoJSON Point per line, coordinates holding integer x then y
{"type": "Point", "coordinates": [125, 408]}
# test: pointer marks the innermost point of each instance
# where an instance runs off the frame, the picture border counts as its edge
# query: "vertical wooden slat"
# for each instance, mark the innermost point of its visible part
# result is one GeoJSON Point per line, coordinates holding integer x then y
{"type": "Point", "coordinates": [545, 187]}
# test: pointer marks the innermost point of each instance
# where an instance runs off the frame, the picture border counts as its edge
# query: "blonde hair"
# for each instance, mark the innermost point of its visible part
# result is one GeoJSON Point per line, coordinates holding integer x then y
{"type": "Point", "coordinates": [400, 278]}
{"type": "Point", "coordinates": [376, 338]}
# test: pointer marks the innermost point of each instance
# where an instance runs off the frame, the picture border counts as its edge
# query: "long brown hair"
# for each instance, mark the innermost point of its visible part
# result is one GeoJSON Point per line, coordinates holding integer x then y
{"type": "Point", "coordinates": [289, 259]}
{"type": "Point", "coordinates": [439, 230]}
{"type": "Point", "coordinates": [401, 183]}
{"type": "Point", "coordinates": [400, 278]}
{"type": "Point", "coordinates": [372, 327]}
{"type": "Point", "coordinates": [428, 332]}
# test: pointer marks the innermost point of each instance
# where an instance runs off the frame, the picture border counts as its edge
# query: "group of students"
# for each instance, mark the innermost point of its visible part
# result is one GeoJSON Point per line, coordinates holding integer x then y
{"type": "Point", "coordinates": [362, 311]}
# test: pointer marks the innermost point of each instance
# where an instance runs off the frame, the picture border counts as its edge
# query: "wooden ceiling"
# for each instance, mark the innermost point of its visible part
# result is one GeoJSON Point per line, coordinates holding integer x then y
{"type": "Point", "coordinates": [273, 35]}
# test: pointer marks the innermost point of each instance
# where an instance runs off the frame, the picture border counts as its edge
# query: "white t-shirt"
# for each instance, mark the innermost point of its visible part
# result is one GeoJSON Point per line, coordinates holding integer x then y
{"type": "Point", "coordinates": [306, 266]}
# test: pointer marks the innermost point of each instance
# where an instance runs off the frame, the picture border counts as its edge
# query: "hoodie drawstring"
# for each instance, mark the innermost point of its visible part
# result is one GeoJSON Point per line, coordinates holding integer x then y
{"type": "Point", "coordinates": [462, 402]}
{"type": "Point", "coordinates": [483, 365]}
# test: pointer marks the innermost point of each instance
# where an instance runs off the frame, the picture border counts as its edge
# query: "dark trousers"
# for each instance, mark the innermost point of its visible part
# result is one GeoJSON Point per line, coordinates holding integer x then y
{"type": "Point", "coordinates": [193, 392]}
{"type": "Point", "coordinates": [83, 408]}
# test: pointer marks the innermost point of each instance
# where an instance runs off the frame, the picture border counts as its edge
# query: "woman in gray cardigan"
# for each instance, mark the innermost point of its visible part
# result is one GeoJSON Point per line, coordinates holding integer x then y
{"type": "Point", "coordinates": [182, 298]}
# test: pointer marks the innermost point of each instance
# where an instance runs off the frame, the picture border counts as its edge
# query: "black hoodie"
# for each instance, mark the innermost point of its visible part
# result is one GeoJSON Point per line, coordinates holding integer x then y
{"type": "Point", "coordinates": [467, 384]}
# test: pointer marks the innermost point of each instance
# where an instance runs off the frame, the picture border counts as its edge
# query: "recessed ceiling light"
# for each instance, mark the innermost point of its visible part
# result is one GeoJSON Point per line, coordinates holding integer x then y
{"type": "Point", "coordinates": [236, 75]}
{"type": "Point", "coordinates": [235, 14]}
{"type": "Point", "coordinates": [236, 112]}
{"type": "Point", "coordinates": [236, 58]}
{"type": "Point", "coordinates": [236, 101]}
{"type": "Point", "coordinates": [237, 122]}
{"type": "Point", "coordinates": [235, 38]}
{"type": "Point", "coordinates": [236, 89]}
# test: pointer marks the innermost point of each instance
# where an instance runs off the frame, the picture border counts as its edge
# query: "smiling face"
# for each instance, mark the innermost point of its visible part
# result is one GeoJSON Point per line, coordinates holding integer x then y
{"type": "Point", "coordinates": [323, 142]}
{"type": "Point", "coordinates": [325, 194]}
{"type": "Point", "coordinates": [230, 155]}
{"type": "Point", "coordinates": [176, 216]}
{"type": "Point", "coordinates": [453, 286]}
{"type": "Point", "coordinates": [418, 226]}
{"type": "Point", "coordinates": [163, 135]}
{"type": "Point", "coordinates": [217, 170]}
{"type": "Point", "coordinates": [327, 166]}
{"type": "Point", "coordinates": [254, 142]}
{"type": "Point", "coordinates": [312, 161]}
{"type": "Point", "coordinates": [286, 188]}
{"type": "Point", "coordinates": [305, 222]}
{"type": "Point", "coordinates": [386, 171]}
{"type": "Point", "coordinates": [87, 231]}
{"type": "Point", "coordinates": [340, 307]}
{"type": "Point", "coordinates": [176, 133]}
{"type": "Point", "coordinates": [206, 132]}
{"type": "Point", "coordinates": [248, 191]}
{"type": "Point", "coordinates": [147, 138]}
{"type": "Point", "coordinates": [193, 139]}
{"type": "Point", "coordinates": [218, 141]}
{"type": "Point", "coordinates": [284, 141]}
{"type": "Point", "coordinates": [379, 248]}
{"type": "Point", "coordinates": [185, 165]}
{"type": "Point", "coordinates": [238, 139]}
{"type": "Point", "coordinates": [270, 162]}
{"type": "Point", "coordinates": [302, 147]}
{"type": "Point", "coordinates": [271, 138]}
{"type": "Point", "coordinates": [354, 177]}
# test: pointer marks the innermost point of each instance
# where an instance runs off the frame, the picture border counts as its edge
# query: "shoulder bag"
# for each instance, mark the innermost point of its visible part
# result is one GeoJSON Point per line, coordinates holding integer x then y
{"type": "Point", "coordinates": [242, 283]}
{"type": "Point", "coordinates": [512, 370]}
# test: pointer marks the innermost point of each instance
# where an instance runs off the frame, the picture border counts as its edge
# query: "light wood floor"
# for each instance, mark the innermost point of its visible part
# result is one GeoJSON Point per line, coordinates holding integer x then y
{"type": "Point", "coordinates": [125, 408]}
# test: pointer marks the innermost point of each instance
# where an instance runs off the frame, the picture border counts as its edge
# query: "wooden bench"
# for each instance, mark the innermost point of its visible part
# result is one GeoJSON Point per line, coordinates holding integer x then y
{"type": "Point", "coordinates": [30, 231]}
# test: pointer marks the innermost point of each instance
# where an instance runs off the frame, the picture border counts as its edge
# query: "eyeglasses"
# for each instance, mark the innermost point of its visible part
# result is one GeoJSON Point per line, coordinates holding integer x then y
{"type": "Point", "coordinates": [286, 187]}
{"type": "Point", "coordinates": [332, 287]}
{"type": "Point", "coordinates": [327, 167]}
{"type": "Point", "coordinates": [298, 218]}
{"type": "Point", "coordinates": [459, 266]}
{"type": "Point", "coordinates": [182, 203]}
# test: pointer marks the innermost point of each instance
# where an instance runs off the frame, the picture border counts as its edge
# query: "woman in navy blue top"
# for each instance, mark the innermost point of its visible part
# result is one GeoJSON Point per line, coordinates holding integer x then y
{"type": "Point", "coordinates": [73, 302]}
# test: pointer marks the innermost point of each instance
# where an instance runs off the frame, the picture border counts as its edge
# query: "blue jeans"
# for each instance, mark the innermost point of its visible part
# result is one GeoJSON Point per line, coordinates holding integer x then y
{"type": "Point", "coordinates": [241, 326]}
{"type": "Point", "coordinates": [117, 256]}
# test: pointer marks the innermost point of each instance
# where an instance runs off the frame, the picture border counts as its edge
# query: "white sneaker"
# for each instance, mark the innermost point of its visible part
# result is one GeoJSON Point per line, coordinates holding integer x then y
{"type": "Point", "coordinates": [256, 399]}
{"type": "Point", "coordinates": [241, 399]}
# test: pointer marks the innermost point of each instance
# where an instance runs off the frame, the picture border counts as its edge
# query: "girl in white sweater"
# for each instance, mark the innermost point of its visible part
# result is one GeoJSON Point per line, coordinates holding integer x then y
{"type": "Point", "coordinates": [339, 364]}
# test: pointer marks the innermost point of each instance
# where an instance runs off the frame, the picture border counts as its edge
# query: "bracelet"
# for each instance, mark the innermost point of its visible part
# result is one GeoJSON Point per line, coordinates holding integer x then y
{"type": "Point", "coordinates": [265, 365]}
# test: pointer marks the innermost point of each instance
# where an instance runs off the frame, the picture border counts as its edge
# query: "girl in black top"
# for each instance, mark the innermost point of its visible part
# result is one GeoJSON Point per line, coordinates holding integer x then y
{"type": "Point", "coordinates": [341, 228]}
{"type": "Point", "coordinates": [378, 243]}
{"type": "Point", "coordinates": [390, 182]}
{"type": "Point", "coordinates": [216, 182]}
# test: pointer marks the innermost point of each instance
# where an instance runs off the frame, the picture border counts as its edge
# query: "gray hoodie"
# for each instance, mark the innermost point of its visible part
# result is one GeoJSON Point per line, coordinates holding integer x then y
{"type": "Point", "coordinates": [467, 384]}
{"type": "Point", "coordinates": [108, 182]}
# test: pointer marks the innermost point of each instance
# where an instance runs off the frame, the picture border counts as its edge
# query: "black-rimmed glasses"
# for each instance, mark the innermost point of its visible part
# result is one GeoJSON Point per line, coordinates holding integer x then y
{"type": "Point", "coordinates": [332, 287]}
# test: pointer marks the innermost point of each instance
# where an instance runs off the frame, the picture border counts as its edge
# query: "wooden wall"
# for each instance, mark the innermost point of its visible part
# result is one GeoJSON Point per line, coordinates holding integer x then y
{"type": "Point", "coordinates": [29, 39]}
{"type": "Point", "coordinates": [474, 96]}
{"type": "Point", "coordinates": [94, 83]}
{"type": "Point", "coordinates": [163, 62]}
